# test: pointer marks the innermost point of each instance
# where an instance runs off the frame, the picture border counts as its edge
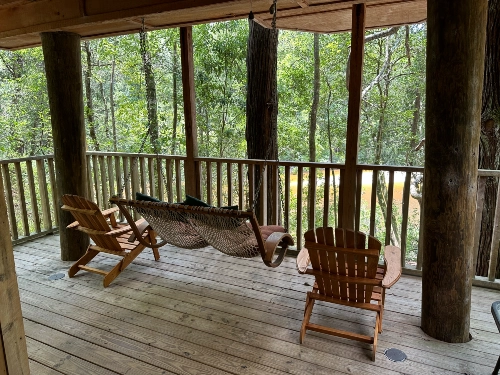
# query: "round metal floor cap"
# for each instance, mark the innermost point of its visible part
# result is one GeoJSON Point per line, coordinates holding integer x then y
{"type": "Point", "coordinates": [56, 276]}
{"type": "Point", "coordinates": [395, 355]}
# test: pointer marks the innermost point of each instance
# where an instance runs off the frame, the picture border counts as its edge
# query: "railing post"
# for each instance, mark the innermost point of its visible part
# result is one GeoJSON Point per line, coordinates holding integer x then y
{"type": "Point", "coordinates": [191, 173]}
{"type": "Point", "coordinates": [353, 114]}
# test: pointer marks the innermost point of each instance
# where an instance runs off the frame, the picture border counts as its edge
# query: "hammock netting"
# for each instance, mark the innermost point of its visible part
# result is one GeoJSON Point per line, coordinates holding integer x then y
{"type": "Point", "coordinates": [200, 227]}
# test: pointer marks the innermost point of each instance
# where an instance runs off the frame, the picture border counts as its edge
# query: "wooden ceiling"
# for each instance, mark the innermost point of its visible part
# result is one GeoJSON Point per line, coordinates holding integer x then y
{"type": "Point", "coordinates": [23, 20]}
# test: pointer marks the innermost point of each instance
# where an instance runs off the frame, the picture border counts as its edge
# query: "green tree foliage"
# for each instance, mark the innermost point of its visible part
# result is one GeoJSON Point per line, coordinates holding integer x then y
{"type": "Point", "coordinates": [393, 78]}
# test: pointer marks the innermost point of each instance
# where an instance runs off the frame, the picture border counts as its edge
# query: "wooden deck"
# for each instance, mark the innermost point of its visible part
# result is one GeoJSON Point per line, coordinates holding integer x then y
{"type": "Point", "coordinates": [200, 312]}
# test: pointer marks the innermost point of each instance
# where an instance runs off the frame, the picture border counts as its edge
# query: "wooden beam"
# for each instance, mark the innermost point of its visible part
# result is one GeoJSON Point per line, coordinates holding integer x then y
{"type": "Point", "coordinates": [13, 352]}
{"type": "Point", "coordinates": [192, 178]}
{"type": "Point", "coordinates": [353, 114]}
{"type": "Point", "coordinates": [455, 64]}
{"type": "Point", "coordinates": [61, 53]}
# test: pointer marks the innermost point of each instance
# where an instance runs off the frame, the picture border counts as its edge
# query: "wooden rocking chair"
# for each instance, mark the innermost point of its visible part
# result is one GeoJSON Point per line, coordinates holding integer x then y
{"type": "Point", "coordinates": [348, 274]}
{"type": "Point", "coordinates": [108, 236]}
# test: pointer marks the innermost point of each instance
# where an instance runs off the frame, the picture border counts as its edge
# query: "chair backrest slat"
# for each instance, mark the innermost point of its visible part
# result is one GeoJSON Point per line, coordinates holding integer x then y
{"type": "Point", "coordinates": [349, 258]}
{"type": "Point", "coordinates": [94, 220]}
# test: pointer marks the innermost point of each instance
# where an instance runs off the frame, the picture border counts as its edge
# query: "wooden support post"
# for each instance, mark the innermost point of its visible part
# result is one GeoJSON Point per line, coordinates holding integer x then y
{"type": "Point", "coordinates": [455, 63]}
{"type": "Point", "coordinates": [13, 352]}
{"type": "Point", "coordinates": [192, 178]}
{"type": "Point", "coordinates": [353, 114]}
{"type": "Point", "coordinates": [61, 53]}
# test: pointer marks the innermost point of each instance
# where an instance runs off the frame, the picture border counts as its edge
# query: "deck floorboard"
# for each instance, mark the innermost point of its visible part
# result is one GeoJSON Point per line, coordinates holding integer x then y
{"type": "Point", "coordinates": [201, 312]}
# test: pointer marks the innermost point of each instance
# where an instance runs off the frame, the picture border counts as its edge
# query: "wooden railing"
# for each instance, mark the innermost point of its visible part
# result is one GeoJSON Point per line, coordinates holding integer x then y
{"type": "Point", "coordinates": [300, 194]}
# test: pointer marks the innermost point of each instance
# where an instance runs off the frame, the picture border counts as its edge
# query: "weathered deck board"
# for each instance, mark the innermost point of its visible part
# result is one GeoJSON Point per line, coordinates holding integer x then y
{"type": "Point", "coordinates": [197, 311]}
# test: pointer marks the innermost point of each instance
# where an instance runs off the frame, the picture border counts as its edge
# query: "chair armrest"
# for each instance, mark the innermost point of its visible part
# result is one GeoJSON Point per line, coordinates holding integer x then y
{"type": "Point", "coordinates": [109, 211]}
{"type": "Point", "coordinates": [73, 225]}
{"type": "Point", "coordinates": [142, 225]}
{"type": "Point", "coordinates": [303, 260]}
{"type": "Point", "coordinates": [392, 258]}
{"type": "Point", "coordinates": [108, 214]}
{"type": "Point", "coordinates": [284, 240]}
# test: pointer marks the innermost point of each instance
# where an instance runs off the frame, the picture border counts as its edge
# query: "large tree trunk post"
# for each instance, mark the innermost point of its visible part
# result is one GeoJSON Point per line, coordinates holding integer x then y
{"type": "Point", "coordinates": [353, 114]}
{"type": "Point", "coordinates": [62, 56]}
{"type": "Point", "coordinates": [455, 62]}
{"type": "Point", "coordinates": [13, 352]}
{"type": "Point", "coordinates": [261, 135]}
{"type": "Point", "coordinates": [191, 171]}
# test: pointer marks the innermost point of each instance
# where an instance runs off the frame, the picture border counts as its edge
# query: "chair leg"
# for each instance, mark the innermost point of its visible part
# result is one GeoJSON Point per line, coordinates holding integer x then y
{"type": "Point", "coordinates": [375, 335]}
{"type": "Point", "coordinates": [152, 239]}
{"type": "Point", "coordinates": [307, 316]}
{"type": "Point", "coordinates": [497, 367]}
{"type": "Point", "coordinates": [116, 270]}
{"type": "Point", "coordinates": [87, 257]}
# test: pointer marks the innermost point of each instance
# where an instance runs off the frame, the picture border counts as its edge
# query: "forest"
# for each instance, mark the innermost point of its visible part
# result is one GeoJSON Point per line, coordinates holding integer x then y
{"type": "Point", "coordinates": [116, 97]}
{"type": "Point", "coordinates": [133, 83]}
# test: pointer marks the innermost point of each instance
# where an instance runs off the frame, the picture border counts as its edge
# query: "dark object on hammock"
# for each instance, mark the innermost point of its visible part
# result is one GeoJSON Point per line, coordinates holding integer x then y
{"type": "Point", "coordinates": [233, 232]}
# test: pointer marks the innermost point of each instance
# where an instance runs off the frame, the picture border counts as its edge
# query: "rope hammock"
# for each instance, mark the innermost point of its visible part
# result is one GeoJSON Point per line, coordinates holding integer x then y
{"type": "Point", "coordinates": [232, 232]}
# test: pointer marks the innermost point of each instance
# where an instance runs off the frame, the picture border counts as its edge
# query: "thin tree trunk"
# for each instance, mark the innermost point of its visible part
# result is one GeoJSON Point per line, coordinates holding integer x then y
{"type": "Point", "coordinates": [106, 111]}
{"type": "Point", "coordinates": [313, 116]}
{"type": "Point", "coordinates": [112, 104]}
{"type": "Point", "coordinates": [489, 146]}
{"type": "Point", "coordinates": [261, 130]}
{"type": "Point", "coordinates": [174, 100]}
{"type": "Point", "coordinates": [88, 94]}
{"type": "Point", "coordinates": [150, 94]}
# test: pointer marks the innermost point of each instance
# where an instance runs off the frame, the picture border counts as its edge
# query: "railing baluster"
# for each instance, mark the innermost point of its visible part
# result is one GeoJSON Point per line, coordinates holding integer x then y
{"type": "Point", "coordinates": [55, 203]}
{"type": "Point", "coordinates": [22, 199]}
{"type": "Point", "coordinates": [359, 188]}
{"type": "Point", "coordinates": [241, 191]}
{"type": "Point", "coordinates": [104, 183]}
{"type": "Point", "coordinates": [10, 202]}
{"type": "Point", "coordinates": [159, 176]}
{"type": "Point", "coordinates": [326, 197]}
{"type": "Point", "coordinates": [169, 187]}
{"type": "Point", "coordinates": [373, 202]}
{"type": "Point", "coordinates": [494, 240]}
{"type": "Point", "coordinates": [44, 194]}
{"type": "Point", "coordinates": [263, 194]}
{"type": "Point", "coordinates": [300, 171]}
{"type": "Point", "coordinates": [219, 184]}
{"type": "Point", "coordinates": [481, 185]}
{"type": "Point", "coordinates": [286, 214]}
{"type": "Point", "coordinates": [151, 173]}
{"type": "Point", "coordinates": [111, 179]}
{"type": "Point", "coordinates": [34, 202]}
{"type": "Point", "coordinates": [209, 183]}
{"type": "Point", "coordinates": [311, 199]}
{"type": "Point", "coordinates": [275, 194]}
{"type": "Point", "coordinates": [341, 195]}
{"type": "Point", "coordinates": [178, 181]}
{"type": "Point", "coordinates": [404, 223]}
{"type": "Point", "coordinates": [142, 165]}
{"type": "Point", "coordinates": [229, 184]}
{"type": "Point", "coordinates": [97, 181]}
{"type": "Point", "coordinates": [90, 185]}
{"type": "Point", "coordinates": [134, 176]}
{"type": "Point", "coordinates": [251, 185]}
{"type": "Point", "coordinates": [390, 195]}
{"type": "Point", "coordinates": [126, 176]}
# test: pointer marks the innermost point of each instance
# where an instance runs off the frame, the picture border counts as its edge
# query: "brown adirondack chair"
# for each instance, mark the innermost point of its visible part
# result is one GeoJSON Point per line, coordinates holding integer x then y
{"type": "Point", "coordinates": [108, 236]}
{"type": "Point", "coordinates": [347, 273]}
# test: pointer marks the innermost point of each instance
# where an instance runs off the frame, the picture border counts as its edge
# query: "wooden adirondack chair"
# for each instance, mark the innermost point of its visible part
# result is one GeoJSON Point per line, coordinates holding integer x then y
{"type": "Point", "coordinates": [347, 273]}
{"type": "Point", "coordinates": [108, 236]}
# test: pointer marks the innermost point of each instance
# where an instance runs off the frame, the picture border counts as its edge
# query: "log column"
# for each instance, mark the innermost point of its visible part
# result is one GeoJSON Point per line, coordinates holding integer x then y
{"type": "Point", "coordinates": [353, 114]}
{"type": "Point", "coordinates": [13, 352]}
{"type": "Point", "coordinates": [61, 53]}
{"type": "Point", "coordinates": [191, 169]}
{"type": "Point", "coordinates": [455, 60]}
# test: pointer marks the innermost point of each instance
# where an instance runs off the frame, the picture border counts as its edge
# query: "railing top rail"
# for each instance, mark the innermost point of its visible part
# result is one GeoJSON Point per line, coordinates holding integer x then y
{"type": "Point", "coordinates": [395, 168]}
{"type": "Point", "coordinates": [135, 155]}
{"type": "Point", "coordinates": [18, 160]}
{"type": "Point", "coordinates": [488, 173]}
